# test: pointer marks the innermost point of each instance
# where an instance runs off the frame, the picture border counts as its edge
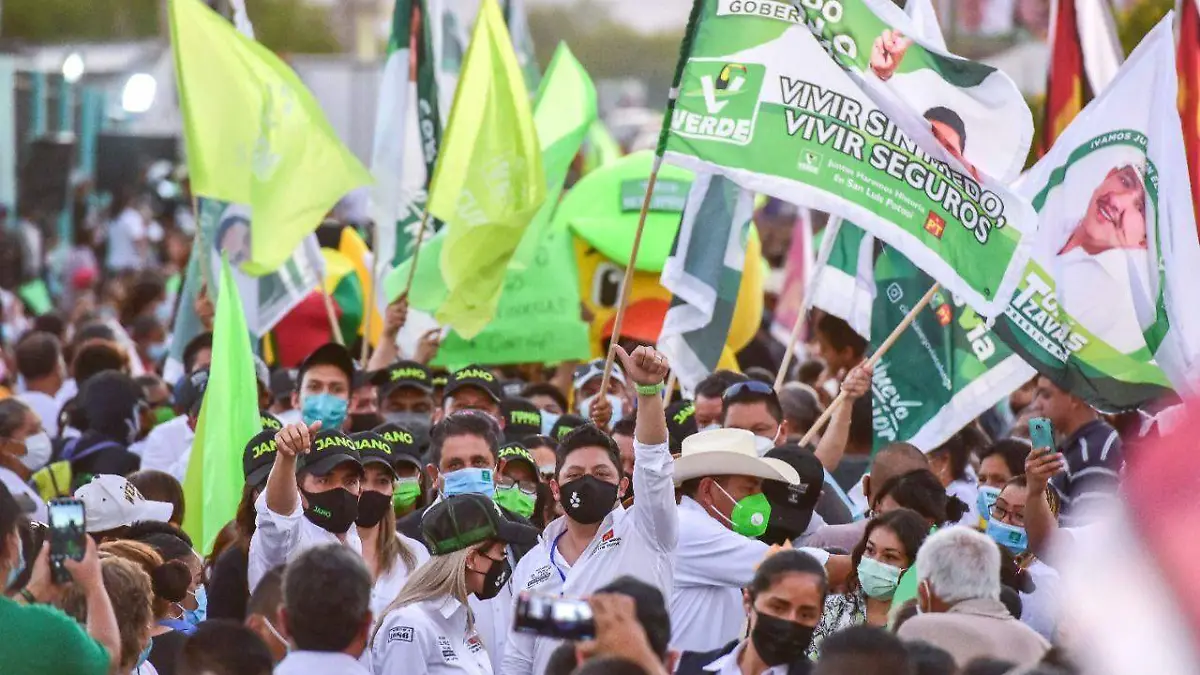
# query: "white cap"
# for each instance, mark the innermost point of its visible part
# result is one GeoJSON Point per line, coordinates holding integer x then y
{"type": "Point", "coordinates": [112, 501]}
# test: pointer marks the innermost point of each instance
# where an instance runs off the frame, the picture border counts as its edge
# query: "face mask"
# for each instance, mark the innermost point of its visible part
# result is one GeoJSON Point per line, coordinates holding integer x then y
{"type": "Point", "coordinates": [516, 501]}
{"type": "Point", "coordinates": [416, 422]}
{"type": "Point", "coordinates": [364, 422]}
{"type": "Point", "coordinates": [327, 408]}
{"type": "Point", "coordinates": [405, 492]}
{"type": "Point", "coordinates": [987, 497]}
{"type": "Point", "coordinates": [779, 641]}
{"type": "Point", "coordinates": [763, 445]}
{"type": "Point", "coordinates": [163, 414]}
{"type": "Point", "coordinates": [1013, 538]}
{"type": "Point", "coordinates": [162, 312]}
{"type": "Point", "coordinates": [616, 402]}
{"type": "Point", "coordinates": [157, 351]}
{"type": "Point", "coordinates": [878, 579]}
{"type": "Point", "coordinates": [749, 516]}
{"type": "Point", "coordinates": [133, 426]}
{"type": "Point", "coordinates": [549, 419]}
{"type": "Point", "coordinates": [469, 481]}
{"type": "Point", "coordinates": [195, 616]}
{"type": "Point", "coordinates": [286, 645]}
{"type": "Point", "coordinates": [18, 568]}
{"type": "Point", "coordinates": [497, 575]}
{"type": "Point", "coordinates": [145, 655]}
{"type": "Point", "coordinates": [37, 451]}
{"type": "Point", "coordinates": [372, 506]}
{"type": "Point", "coordinates": [333, 510]}
{"type": "Point", "coordinates": [588, 499]}
{"type": "Point", "coordinates": [710, 427]}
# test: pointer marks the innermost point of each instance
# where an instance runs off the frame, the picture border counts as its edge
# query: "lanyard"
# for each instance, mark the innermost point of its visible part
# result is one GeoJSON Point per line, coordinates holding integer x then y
{"type": "Point", "coordinates": [553, 548]}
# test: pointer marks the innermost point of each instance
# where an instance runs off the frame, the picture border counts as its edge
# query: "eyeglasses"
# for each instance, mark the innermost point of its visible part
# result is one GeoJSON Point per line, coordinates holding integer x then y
{"type": "Point", "coordinates": [529, 487]}
{"type": "Point", "coordinates": [752, 387]}
{"type": "Point", "coordinates": [1000, 513]}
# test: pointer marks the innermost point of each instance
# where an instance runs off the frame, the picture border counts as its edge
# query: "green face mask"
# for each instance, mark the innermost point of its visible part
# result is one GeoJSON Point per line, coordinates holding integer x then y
{"type": "Point", "coordinates": [163, 413]}
{"type": "Point", "coordinates": [406, 492]}
{"type": "Point", "coordinates": [749, 516]}
{"type": "Point", "coordinates": [516, 501]}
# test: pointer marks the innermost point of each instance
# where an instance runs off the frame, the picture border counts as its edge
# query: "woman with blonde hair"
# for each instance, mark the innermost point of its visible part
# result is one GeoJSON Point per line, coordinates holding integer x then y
{"type": "Point", "coordinates": [129, 591]}
{"type": "Point", "coordinates": [429, 627]}
{"type": "Point", "coordinates": [390, 556]}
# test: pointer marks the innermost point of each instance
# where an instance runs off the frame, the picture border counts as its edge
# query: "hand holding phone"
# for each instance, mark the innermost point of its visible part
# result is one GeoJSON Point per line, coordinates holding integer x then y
{"type": "Point", "coordinates": [554, 616]}
{"type": "Point", "coordinates": [1041, 433]}
{"type": "Point", "coordinates": [68, 536]}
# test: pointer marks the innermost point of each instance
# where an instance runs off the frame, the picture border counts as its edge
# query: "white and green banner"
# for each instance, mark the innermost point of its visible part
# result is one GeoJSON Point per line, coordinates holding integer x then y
{"type": "Point", "coordinates": [830, 104]}
{"type": "Point", "coordinates": [844, 284]}
{"type": "Point", "coordinates": [1108, 304]}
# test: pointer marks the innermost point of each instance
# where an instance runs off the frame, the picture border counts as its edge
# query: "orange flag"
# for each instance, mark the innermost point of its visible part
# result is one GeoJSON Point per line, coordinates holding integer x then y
{"type": "Point", "coordinates": [1067, 86]}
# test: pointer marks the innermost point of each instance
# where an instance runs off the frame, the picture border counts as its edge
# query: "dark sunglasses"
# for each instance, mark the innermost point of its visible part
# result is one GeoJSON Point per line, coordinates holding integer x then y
{"type": "Point", "coordinates": [751, 386]}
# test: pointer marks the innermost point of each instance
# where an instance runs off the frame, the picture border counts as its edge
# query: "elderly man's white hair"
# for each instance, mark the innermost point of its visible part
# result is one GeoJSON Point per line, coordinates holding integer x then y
{"type": "Point", "coordinates": [960, 564]}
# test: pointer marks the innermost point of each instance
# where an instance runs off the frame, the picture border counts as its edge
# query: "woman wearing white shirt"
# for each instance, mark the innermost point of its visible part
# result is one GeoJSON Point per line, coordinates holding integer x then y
{"type": "Point", "coordinates": [429, 628]}
{"type": "Point", "coordinates": [390, 557]}
{"type": "Point", "coordinates": [24, 448]}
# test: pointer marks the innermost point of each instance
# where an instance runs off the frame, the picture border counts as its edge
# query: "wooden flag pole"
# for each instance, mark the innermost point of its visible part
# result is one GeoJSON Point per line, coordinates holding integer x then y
{"type": "Point", "coordinates": [416, 256]}
{"type": "Point", "coordinates": [883, 348]}
{"type": "Point", "coordinates": [365, 354]}
{"type": "Point", "coordinates": [627, 284]}
{"type": "Point", "coordinates": [669, 392]}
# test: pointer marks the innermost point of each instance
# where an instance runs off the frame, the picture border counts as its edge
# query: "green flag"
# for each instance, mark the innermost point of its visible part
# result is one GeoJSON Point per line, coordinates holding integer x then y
{"type": "Point", "coordinates": [229, 417]}
{"type": "Point", "coordinates": [489, 182]}
{"type": "Point", "coordinates": [255, 135]}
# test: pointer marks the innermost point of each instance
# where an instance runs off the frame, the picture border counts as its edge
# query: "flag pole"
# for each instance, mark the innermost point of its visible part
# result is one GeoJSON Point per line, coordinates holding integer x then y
{"type": "Point", "coordinates": [810, 294]}
{"type": "Point", "coordinates": [330, 312]}
{"type": "Point", "coordinates": [416, 256]}
{"type": "Point", "coordinates": [370, 308]}
{"type": "Point", "coordinates": [669, 392]}
{"type": "Point", "coordinates": [883, 348]}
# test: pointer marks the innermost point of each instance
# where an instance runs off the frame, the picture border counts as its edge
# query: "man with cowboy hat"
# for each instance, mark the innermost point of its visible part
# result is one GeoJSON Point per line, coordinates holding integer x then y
{"type": "Point", "coordinates": [722, 513]}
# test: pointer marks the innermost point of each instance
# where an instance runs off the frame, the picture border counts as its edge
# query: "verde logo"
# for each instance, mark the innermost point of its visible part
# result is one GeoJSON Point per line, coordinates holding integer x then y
{"type": "Point", "coordinates": [810, 162]}
{"type": "Point", "coordinates": [719, 101]}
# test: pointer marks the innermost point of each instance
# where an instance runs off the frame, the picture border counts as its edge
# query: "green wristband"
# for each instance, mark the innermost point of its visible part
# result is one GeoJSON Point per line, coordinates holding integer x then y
{"type": "Point", "coordinates": [649, 389]}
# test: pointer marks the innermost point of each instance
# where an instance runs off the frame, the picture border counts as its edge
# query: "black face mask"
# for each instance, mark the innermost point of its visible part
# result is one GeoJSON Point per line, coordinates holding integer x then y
{"type": "Point", "coordinates": [495, 579]}
{"type": "Point", "coordinates": [333, 510]}
{"type": "Point", "coordinates": [779, 641]}
{"type": "Point", "coordinates": [587, 500]}
{"type": "Point", "coordinates": [372, 506]}
{"type": "Point", "coordinates": [360, 422]}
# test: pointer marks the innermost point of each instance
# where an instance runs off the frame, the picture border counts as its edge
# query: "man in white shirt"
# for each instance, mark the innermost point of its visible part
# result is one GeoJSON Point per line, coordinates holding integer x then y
{"type": "Point", "coordinates": [598, 540]}
{"type": "Point", "coordinates": [311, 498]}
{"type": "Point", "coordinates": [326, 612]}
{"type": "Point", "coordinates": [166, 443]}
{"type": "Point", "coordinates": [40, 363]}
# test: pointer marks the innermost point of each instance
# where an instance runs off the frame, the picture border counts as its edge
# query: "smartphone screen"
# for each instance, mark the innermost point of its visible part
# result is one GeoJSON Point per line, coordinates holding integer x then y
{"type": "Point", "coordinates": [1041, 433]}
{"type": "Point", "coordinates": [554, 616]}
{"type": "Point", "coordinates": [68, 535]}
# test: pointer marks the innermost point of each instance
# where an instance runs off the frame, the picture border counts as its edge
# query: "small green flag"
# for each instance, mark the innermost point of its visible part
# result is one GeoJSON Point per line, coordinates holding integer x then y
{"type": "Point", "coordinates": [255, 135]}
{"type": "Point", "coordinates": [489, 181]}
{"type": "Point", "coordinates": [228, 419]}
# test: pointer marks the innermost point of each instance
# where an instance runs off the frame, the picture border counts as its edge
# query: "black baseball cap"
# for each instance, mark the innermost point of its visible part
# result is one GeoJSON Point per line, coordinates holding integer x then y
{"type": "Point", "coordinates": [516, 452]}
{"type": "Point", "coordinates": [258, 457]}
{"type": "Point", "coordinates": [404, 444]}
{"type": "Point", "coordinates": [269, 421]}
{"type": "Point", "coordinates": [190, 393]}
{"type": "Point", "coordinates": [331, 354]}
{"type": "Point", "coordinates": [681, 423]}
{"type": "Point", "coordinates": [473, 376]}
{"type": "Point", "coordinates": [329, 449]}
{"type": "Point", "coordinates": [564, 425]}
{"type": "Point", "coordinates": [373, 448]}
{"type": "Point", "coordinates": [401, 374]}
{"type": "Point", "coordinates": [439, 379]}
{"type": "Point", "coordinates": [522, 419]}
{"type": "Point", "coordinates": [792, 505]}
{"type": "Point", "coordinates": [466, 520]}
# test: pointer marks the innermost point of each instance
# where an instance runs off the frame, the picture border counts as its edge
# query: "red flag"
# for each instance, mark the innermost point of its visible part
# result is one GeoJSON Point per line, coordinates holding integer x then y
{"type": "Point", "coordinates": [1189, 90]}
{"type": "Point", "coordinates": [1067, 87]}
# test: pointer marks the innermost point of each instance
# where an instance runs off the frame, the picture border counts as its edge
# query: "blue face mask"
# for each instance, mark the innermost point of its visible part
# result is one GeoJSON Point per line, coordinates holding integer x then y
{"type": "Point", "coordinates": [195, 616]}
{"type": "Point", "coordinates": [145, 655]}
{"type": "Point", "coordinates": [987, 497]}
{"type": "Point", "coordinates": [469, 481]}
{"type": "Point", "coordinates": [17, 569]}
{"type": "Point", "coordinates": [327, 408]}
{"type": "Point", "coordinates": [157, 351]}
{"type": "Point", "coordinates": [1013, 538]}
{"type": "Point", "coordinates": [548, 421]}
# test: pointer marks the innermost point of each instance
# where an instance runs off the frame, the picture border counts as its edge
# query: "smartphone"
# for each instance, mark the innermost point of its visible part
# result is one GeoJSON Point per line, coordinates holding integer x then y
{"type": "Point", "coordinates": [554, 616]}
{"type": "Point", "coordinates": [68, 536]}
{"type": "Point", "coordinates": [1041, 433]}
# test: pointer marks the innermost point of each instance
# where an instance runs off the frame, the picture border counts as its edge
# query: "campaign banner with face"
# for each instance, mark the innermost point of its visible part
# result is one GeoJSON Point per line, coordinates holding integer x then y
{"type": "Point", "coordinates": [833, 105]}
{"type": "Point", "coordinates": [1106, 307]}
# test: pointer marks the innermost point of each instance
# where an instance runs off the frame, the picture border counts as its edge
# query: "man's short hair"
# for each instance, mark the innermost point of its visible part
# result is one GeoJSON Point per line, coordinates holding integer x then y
{"type": "Point", "coordinates": [588, 436]}
{"type": "Point", "coordinates": [650, 608]}
{"type": "Point", "coordinates": [863, 650]}
{"type": "Point", "coordinates": [624, 426]}
{"type": "Point", "coordinates": [929, 659]}
{"type": "Point", "coordinates": [715, 385]}
{"type": "Point", "coordinates": [96, 357]}
{"type": "Point", "coordinates": [951, 119]}
{"type": "Point", "coordinates": [801, 406]}
{"type": "Point", "coordinates": [960, 564]}
{"type": "Point", "coordinates": [545, 389]}
{"type": "Point", "coordinates": [38, 355]}
{"type": "Point", "coordinates": [223, 647]}
{"type": "Point", "coordinates": [840, 335]}
{"type": "Point", "coordinates": [464, 423]}
{"type": "Point", "coordinates": [193, 348]}
{"type": "Point", "coordinates": [746, 396]}
{"type": "Point", "coordinates": [268, 594]}
{"type": "Point", "coordinates": [327, 597]}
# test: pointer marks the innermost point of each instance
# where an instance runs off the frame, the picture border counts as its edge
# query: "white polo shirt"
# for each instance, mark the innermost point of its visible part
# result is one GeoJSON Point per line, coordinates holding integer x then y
{"type": "Point", "coordinates": [326, 663]}
{"type": "Point", "coordinates": [428, 638]}
{"type": "Point", "coordinates": [388, 586]}
{"type": "Point", "coordinates": [728, 664]}
{"type": "Point", "coordinates": [165, 445]}
{"type": "Point", "coordinates": [280, 538]}
{"type": "Point", "coordinates": [638, 542]}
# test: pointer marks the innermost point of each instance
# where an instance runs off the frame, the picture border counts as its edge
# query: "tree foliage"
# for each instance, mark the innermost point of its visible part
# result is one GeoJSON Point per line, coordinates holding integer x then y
{"type": "Point", "coordinates": [1138, 19]}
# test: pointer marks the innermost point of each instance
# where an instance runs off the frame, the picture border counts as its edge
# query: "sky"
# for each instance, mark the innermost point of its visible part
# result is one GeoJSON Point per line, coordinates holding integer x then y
{"type": "Point", "coordinates": [647, 15]}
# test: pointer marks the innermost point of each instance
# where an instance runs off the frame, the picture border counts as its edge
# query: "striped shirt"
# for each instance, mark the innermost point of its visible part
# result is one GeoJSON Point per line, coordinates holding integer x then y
{"type": "Point", "coordinates": [1094, 462]}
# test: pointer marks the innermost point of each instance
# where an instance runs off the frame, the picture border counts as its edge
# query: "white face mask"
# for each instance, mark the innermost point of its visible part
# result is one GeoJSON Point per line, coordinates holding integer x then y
{"type": "Point", "coordinates": [37, 451]}
{"type": "Point", "coordinates": [763, 445]}
{"type": "Point", "coordinates": [710, 427]}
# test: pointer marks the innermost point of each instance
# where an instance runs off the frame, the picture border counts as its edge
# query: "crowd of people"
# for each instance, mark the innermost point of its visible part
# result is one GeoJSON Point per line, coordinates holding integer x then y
{"type": "Point", "coordinates": [401, 519]}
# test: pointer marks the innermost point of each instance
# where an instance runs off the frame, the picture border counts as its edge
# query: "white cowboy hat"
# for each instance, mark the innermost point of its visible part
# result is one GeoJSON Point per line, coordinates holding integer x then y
{"type": "Point", "coordinates": [728, 452]}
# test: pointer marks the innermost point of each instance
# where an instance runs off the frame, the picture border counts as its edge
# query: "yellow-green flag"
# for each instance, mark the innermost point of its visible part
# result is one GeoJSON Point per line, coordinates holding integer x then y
{"type": "Point", "coordinates": [255, 135]}
{"type": "Point", "coordinates": [228, 419]}
{"type": "Point", "coordinates": [489, 183]}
